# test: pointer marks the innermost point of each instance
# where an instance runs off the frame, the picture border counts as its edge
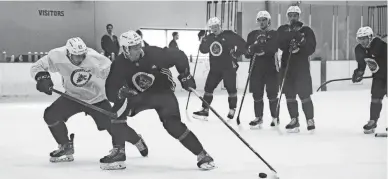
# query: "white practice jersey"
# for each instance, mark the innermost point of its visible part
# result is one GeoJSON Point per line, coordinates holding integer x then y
{"type": "Point", "coordinates": [85, 82]}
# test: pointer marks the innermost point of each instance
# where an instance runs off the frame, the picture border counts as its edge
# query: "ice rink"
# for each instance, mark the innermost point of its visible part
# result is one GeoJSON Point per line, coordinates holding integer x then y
{"type": "Point", "coordinates": [337, 150]}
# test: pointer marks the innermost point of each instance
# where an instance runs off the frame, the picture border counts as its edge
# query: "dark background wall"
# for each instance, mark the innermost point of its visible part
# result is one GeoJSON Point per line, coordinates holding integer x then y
{"type": "Point", "coordinates": [23, 29]}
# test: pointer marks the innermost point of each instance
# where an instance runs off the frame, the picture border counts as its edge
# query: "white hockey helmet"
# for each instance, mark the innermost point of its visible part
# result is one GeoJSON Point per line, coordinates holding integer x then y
{"type": "Point", "coordinates": [76, 46]}
{"type": "Point", "coordinates": [293, 9]}
{"type": "Point", "coordinates": [364, 31]}
{"type": "Point", "coordinates": [130, 38]}
{"type": "Point", "coordinates": [213, 21]}
{"type": "Point", "coordinates": [264, 14]}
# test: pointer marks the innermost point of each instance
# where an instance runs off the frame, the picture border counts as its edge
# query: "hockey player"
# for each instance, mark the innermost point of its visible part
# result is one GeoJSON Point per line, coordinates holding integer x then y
{"type": "Point", "coordinates": [372, 51]}
{"type": "Point", "coordinates": [83, 72]}
{"type": "Point", "coordinates": [140, 79]}
{"type": "Point", "coordinates": [225, 47]}
{"type": "Point", "coordinates": [297, 43]}
{"type": "Point", "coordinates": [263, 44]}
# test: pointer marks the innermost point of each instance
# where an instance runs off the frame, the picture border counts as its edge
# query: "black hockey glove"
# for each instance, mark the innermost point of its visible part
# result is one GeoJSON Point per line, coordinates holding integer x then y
{"type": "Point", "coordinates": [44, 83]}
{"type": "Point", "coordinates": [201, 34]}
{"type": "Point", "coordinates": [258, 46]}
{"type": "Point", "coordinates": [187, 81]}
{"type": "Point", "coordinates": [357, 76]}
{"type": "Point", "coordinates": [235, 53]}
{"type": "Point", "coordinates": [294, 46]}
{"type": "Point", "coordinates": [126, 92]}
{"type": "Point", "coordinates": [299, 38]}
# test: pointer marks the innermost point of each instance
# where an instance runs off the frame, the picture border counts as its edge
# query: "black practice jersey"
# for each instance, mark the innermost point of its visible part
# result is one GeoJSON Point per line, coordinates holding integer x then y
{"type": "Point", "coordinates": [219, 47]}
{"type": "Point", "coordinates": [150, 73]}
{"type": "Point", "coordinates": [375, 57]}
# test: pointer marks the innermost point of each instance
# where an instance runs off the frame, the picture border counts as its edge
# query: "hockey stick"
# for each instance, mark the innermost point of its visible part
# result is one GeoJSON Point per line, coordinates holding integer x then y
{"type": "Point", "coordinates": [281, 93]}
{"type": "Point", "coordinates": [340, 79]}
{"type": "Point", "coordinates": [245, 89]}
{"type": "Point", "coordinates": [188, 97]}
{"type": "Point", "coordinates": [235, 133]}
{"type": "Point", "coordinates": [103, 111]}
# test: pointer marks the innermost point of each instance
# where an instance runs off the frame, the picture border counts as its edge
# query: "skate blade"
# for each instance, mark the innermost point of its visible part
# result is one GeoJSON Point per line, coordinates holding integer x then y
{"type": "Point", "coordinates": [295, 130]}
{"type": "Point", "coordinates": [256, 127]}
{"type": "Point", "coordinates": [65, 158]}
{"type": "Point", "coordinates": [369, 131]}
{"type": "Point", "coordinates": [381, 135]}
{"type": "Point", "coordinates": [312, 131]}
{"type": "Point", "coordinates": [207, 166]}
{"type": "Point", "coordinates": [113, 166]}
{"type": "Point", "coordinates": [202, 118]}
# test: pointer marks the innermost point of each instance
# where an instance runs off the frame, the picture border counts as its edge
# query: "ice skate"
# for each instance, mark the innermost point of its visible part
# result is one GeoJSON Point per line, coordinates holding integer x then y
{"type": "Point", "coordinates": [115, 160]}
{"type": "Point", "coordinates": [311, 125]}
{"type": "Point", "coordinates": [205, 162]}
{"type": "Point", "coordinates": [257, 123]}
{"type": "Point", "coordinates": [370, 127]}
{"type": "Point", "coordinates": [64, 153]}
{"type": "Point", "coordinates": [293, 126]}
{"type": "Point", "coordinates": [142, 147]}
{"type": "Point", "coordinates": [231, 113]}
{"type": "Point", "coordinates": [202, 114]}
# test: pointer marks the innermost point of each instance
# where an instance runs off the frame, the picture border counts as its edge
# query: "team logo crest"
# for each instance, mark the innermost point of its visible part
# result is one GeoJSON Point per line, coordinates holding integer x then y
{"type": "Point", "coordinates": [142, 81]}
{"type": "Point", "coordinates": [216, 48]}
{"type": "Point", "coordinates": [372, 64]}
{"type": "Point", "coordinates": [80, 77]}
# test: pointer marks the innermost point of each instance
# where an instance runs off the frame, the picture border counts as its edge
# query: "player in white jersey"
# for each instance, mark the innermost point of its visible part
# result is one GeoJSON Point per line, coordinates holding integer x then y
{"type": "Point", "coordinates": [83, 72]}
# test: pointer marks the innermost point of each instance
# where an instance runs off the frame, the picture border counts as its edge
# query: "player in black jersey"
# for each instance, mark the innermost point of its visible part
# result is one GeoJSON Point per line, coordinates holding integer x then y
{"type": "Point", "coordinates": [140, 79]}
{"type": "Point", "coordinates": [224, 47]}
{"type": "Point", "coordinates": [299, 41]}
{"type": "Point", "coordinates": [262, 44]}
{"type": "Point", "coordinates": [372, 51]}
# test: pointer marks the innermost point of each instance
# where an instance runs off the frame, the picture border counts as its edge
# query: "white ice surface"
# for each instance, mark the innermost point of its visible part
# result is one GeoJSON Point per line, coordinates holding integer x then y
{"type": "Point", "coordinates": [337, 150]}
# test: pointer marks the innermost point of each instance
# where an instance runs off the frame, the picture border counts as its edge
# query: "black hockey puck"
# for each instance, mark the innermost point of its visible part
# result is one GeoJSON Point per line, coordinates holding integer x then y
{"type": "Point", "coordinates": [262, 175]}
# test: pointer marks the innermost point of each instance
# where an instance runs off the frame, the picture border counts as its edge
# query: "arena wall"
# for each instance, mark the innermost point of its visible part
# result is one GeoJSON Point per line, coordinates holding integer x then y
{"type": "Point", "coordinates": [15, 79]}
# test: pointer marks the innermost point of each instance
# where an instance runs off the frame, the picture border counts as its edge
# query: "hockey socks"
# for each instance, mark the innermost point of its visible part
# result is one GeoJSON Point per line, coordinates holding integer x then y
{"type": "Point", "coordinates": [208, 97]}
{"type": "Point", "coordinates": [259, 106]}
{"type": "Point", "coordinates": [232, 100]}
{"type": "Point", "coordinates": [272, 107]}
{"type": "Point", "coordinates": [308, 108]}
{"type": "Point", "coordinates": [375, 109]}
{"type": "Point", "coordinates": [191, 142]}
{"type": "Point", "coordinates": [59, 132]}
{"type": "Point", "coordinates": [292, 106]}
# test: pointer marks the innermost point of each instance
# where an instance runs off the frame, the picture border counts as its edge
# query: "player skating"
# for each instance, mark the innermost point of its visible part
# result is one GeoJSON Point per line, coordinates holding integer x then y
{"type": "Point", "coordinates": [224, 47]}
{"type": "Point", "coordinates": [372, 51]}
{"type": "Point", "coordinates": [297, 43]}
{"type": "Point", "coordinates": [263, 43]}
{"type": "Point", "coordinates": [83, 72]}
{"type": "Point", "coordinates": [140, 79]}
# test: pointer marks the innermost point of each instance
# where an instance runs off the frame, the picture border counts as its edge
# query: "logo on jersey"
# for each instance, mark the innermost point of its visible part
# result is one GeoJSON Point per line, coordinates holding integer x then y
{"type": "Point", "coordinates": [80, 77]}
{"type": "Point", "coordinates": [216, 48]}
{"type": "Point", "coordinates": [142, 81]}
{"type": "Point", "coordinates": [372, 64]}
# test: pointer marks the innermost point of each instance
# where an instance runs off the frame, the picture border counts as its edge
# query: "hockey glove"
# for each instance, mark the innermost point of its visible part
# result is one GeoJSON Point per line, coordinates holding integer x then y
{"type": "Point", "coordinates": [357, 76]}
{"type": "Point", "coordinates": [126, 92]}
{"type": "Point", "coordinates": [187, 81]}
{"type": "Point", "coordinates": [299, 38]}
{"type": "Point", "coordinates": [255, 48]}
{"type": "Point", "coordinates": [294, 46]}
{"type": "Point", "coordinates": [201, 34]}
{"type": "Point", "coordinates": [44, 83]}
{"type": "Point", "coordinates": [235, 53]}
